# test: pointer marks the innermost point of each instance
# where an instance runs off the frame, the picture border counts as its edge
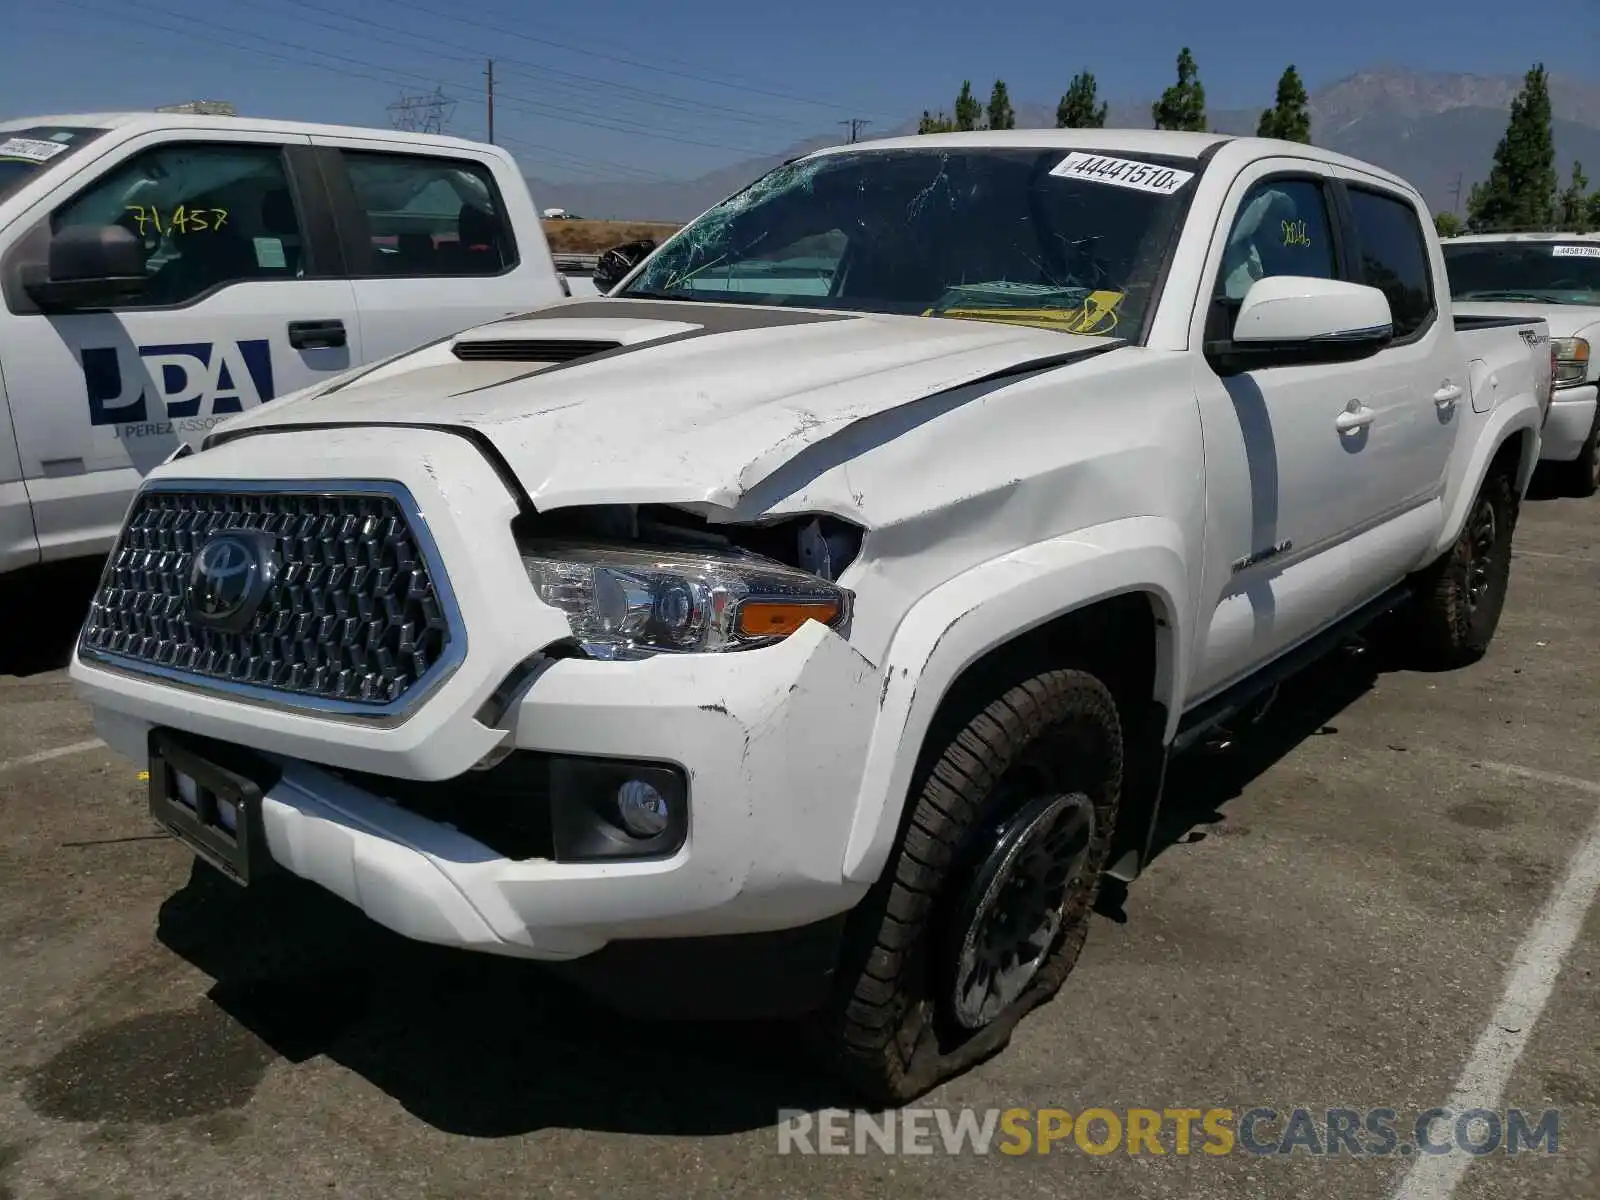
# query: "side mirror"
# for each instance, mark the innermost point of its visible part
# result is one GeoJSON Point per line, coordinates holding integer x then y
{"type": "Point", "coordinates": [1293, 320]}
{"type": "Point", "coordinates": [616, 263]}
{"type": "Point", "coordinates": [89, 266]}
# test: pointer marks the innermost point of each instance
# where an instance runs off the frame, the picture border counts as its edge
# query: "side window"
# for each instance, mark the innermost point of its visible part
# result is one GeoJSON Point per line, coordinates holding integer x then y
{"type": "Point", "coordinates": [208, 214]}
{"type": "Point", "coordinates": [1394, 257]}
{"type": "Point", "coordinates": [429, 216]}
{"type": "Point", "coordinates": [1282, 229]}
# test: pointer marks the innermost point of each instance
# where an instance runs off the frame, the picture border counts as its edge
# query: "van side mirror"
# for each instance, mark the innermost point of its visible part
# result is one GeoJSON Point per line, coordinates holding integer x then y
{"type": "Point", "coordinates": [1292, 320]}
{"type": "Point", "coordinates": [89, 266]}
{"type": "Point", "coordinates": [618, 262]}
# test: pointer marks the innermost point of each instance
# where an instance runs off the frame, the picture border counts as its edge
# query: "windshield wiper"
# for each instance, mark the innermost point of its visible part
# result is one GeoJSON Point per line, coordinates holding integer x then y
{"type": "Point", "coordinates": [1513, 297]}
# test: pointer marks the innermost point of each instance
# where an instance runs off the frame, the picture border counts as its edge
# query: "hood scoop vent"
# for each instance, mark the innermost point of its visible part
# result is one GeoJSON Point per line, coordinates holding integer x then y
{"type": "Point", "coordinates": [529, 350]}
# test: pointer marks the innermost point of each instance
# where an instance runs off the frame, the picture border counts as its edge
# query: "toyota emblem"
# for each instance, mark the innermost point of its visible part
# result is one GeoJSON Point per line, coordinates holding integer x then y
{"type": "Point", "coordinates": [229, 579]}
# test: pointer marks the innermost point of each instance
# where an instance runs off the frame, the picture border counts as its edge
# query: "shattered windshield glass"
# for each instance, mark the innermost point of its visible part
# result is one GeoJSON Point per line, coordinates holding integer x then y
{"type": "Point", "coordinates": [1067, 240]}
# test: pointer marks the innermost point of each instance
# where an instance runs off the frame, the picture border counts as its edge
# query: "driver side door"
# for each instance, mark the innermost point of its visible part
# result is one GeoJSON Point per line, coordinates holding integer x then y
{"type": "Point", "coordinates": [242, 302]}
{"type": "Point", "coordinates": [1284, 481]}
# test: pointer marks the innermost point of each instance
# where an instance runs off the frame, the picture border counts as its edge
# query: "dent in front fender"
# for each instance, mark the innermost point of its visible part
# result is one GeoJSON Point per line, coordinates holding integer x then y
{"type": "Point", "coordinates": [1506, 421]}
{"type": "Point", "coordinates": [982, 609]}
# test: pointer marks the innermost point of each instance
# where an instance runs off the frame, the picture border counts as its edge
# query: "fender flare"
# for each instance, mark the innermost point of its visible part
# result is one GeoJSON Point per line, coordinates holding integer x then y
{"type": "Point", "coordinates": [987, 606]}
{"type": "Point", "coordinates": [1508, 419]}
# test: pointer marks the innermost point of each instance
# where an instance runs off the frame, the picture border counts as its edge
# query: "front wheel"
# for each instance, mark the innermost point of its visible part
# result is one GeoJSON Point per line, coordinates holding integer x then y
{"type": "Point", "coordinates": [985, 903]}
{"type": "Point", "coordinates": [1462, 595]}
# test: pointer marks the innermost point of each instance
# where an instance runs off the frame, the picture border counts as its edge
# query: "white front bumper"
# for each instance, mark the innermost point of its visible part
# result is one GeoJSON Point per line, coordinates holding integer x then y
{"type": "Point", "coordinates": [773, 743]}
{"type": "Point", "coordinates": [1571, 418]}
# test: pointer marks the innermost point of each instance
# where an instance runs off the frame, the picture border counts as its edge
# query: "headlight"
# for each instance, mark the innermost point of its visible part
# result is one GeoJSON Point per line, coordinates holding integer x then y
{"type": "Point", "coordinates": [1572, 360]}
{"type": "Point", "coordinates": [631, 602]}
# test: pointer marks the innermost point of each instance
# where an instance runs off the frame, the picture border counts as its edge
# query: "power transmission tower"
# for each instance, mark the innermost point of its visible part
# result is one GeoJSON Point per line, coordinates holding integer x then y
{"type": "Point", "coordinates": [488, 74]}
{"type": "Point", "coordinates": [855, 124]}
{"type": "Point", "coordinates": [1455, 195]}
{"type": "Point", "coordinates": [427, 113]}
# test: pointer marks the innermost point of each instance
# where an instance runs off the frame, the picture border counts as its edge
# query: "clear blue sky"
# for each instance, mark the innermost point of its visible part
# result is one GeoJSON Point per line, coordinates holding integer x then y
{"type": "Point", "coordinates": [674, 89]}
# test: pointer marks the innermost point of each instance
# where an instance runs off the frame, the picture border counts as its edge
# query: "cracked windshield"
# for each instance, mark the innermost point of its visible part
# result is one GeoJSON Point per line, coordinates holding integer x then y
{"type": "Point", "coordinates": [1023, 236]}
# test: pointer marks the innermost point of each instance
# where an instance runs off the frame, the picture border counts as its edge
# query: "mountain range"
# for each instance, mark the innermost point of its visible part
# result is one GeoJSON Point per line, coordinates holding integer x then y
{"type": "Point", "coordinates": [1437, 130]}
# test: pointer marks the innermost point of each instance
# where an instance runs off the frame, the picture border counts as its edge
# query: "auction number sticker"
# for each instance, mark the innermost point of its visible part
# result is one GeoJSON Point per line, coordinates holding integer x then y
{"type": "Point", "coordinates": [1576, 251]}
{"type": "Point", "coordinates": [1122, 172]}
{"type": "Point", "coordinates": [30, 149]}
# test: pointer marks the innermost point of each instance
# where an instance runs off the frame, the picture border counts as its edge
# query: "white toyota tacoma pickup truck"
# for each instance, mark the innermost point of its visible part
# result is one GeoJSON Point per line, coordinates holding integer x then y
{"type": "Point", "coordinates": [805, 626]}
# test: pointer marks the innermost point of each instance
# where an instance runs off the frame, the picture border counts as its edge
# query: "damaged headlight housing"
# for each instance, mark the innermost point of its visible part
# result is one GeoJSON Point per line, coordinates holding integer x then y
{"type": "Point", "coordinates": [632, 602]}
{"type": "Point", "coordinates": [1571, 360]}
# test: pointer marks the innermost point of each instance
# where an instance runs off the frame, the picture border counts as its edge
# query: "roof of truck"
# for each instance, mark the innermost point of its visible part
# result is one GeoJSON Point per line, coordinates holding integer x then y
{"type": "Point", "coordinates": [1176, 143]}
{"type": "Point", "coordinates": [1523, 236]}
{"type": "Point", "coordinates": [167, 120]}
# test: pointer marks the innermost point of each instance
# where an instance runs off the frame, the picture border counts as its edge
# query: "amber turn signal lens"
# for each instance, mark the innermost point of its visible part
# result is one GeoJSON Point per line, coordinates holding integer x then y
{"type": "Point", "coordinates": [771, 618]}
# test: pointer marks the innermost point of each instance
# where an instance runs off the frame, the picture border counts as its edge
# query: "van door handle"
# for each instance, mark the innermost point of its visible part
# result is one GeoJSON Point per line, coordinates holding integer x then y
{"type": "Point", "coordinates": [1447, 395]}
{"type": "Point", "coordinates": [316, 335]}
{"type": "Point", "coordinates": [1357, 416]}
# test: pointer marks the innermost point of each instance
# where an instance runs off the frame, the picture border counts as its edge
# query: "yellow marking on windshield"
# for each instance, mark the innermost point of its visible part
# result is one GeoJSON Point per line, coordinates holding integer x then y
{"type": "Point", "coordinates": [1098, 315]}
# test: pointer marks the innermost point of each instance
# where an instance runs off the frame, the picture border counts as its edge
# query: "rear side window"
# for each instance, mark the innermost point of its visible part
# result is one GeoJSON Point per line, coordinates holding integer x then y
{"type": "Point", "coordinates": [428, 216]}
{"type": "Point", "coordinates": [1394, 257]}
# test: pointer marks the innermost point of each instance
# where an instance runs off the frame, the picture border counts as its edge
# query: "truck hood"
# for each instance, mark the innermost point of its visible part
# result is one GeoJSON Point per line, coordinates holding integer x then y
{"type": "Point", "coordinates": [638, 402]}
{"type": "Point", "coordinates": [1565, 320]}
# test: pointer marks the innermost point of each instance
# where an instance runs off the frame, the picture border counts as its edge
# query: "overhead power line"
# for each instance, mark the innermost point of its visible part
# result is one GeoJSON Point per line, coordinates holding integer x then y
{"type": "Point", "coordinates": [253, 56]}
{"type": "Point", "coordinates": [208, 34]}
{"type": "Point", "coordinates": [508, 29]}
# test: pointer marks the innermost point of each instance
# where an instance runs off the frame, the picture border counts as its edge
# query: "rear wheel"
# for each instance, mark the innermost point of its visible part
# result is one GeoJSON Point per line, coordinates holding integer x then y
{"type": "Point", "coordinates": [1462, 595]}
{"type": "Point", "coordinates": [985, 903]}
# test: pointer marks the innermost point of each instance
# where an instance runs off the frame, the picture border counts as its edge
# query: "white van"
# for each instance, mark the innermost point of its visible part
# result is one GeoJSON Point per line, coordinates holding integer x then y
{"type": "Point", "coordinates": [163, 271]}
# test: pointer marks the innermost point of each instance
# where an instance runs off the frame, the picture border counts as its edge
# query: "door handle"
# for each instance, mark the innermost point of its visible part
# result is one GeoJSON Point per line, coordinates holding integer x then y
{"type": "Point", "coordinates": [316, 335]}
{"type": "Point", "coordinates": [1357, 416]}
{"type": "Point", "coordinates": [1447, 395]}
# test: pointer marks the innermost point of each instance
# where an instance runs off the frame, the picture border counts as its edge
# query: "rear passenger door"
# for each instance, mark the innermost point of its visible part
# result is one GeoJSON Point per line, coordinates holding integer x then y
{"type": "Point", "coordinates": [430, 241]}
{"type": "Point", "coordinates": [1419, 384]}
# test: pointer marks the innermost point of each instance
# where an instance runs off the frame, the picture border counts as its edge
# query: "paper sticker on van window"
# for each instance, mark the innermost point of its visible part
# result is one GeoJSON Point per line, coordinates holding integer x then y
{"type": "Point", "coordinates": [1122, 172]}
{"type": "Point", "coordinates": [1576, 251]}
{"type": "Point", "coordinates": [30, 149]}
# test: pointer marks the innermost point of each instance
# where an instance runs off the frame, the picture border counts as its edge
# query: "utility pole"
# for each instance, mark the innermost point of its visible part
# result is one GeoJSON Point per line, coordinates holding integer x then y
{"type": "Point", "coordinates": [489, 75]}
{"type": "Point", "coordinates": [856, 124]}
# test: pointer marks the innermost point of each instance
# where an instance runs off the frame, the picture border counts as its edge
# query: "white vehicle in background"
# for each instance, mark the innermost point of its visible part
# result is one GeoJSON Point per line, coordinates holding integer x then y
{"type": "Point", "coordinates": [1555, 276]}
{"type": "Point", "coordinates": [805, 626]}
{"type": "Point", "coordinates": [164, 271]}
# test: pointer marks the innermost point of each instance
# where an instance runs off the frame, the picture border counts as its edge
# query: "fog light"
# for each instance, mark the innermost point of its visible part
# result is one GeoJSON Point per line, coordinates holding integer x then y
{"type": "Point", "coordinates": [643, 808]}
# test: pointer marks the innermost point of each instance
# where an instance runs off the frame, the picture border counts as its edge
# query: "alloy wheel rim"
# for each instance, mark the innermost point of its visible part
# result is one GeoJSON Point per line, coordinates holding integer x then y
{"type": "Point", "coordinates": [1017, 904]}
{"type": "Point", "coordinates": [1480, 537]}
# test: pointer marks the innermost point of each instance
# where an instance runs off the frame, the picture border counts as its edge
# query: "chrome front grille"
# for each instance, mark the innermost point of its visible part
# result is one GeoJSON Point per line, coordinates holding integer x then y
{"type": "Point", "coordinates": [358, 615]}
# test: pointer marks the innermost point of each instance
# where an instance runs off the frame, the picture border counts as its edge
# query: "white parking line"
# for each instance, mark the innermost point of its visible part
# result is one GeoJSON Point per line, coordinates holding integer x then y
{"type": "Point", "coordinates": [1534, 970]}
{"type": "Point", "coordinates": [28, 760]}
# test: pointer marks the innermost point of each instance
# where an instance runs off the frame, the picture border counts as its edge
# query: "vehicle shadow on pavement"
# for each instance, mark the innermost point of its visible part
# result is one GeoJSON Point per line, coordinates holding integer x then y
{"type": "Point", "coordinates": [45, 608]}
{"type": "Point", "coordinates": [1201, 782]}
{"type": "Point", "coordinates": [493, 1047]}
{"type": "Point", "coordinates": [473, 1044]}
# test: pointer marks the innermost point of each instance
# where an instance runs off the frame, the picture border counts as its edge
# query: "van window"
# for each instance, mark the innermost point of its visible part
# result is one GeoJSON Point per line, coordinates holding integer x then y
{"type": "Point", "coordinates": [428, 216]}
{"type": "Point", "coordinates": [208, 215]}
{"type": "Point", "coordinates": [1282, 229]}
{"type": "Point", "coordinates": [1394, 257]}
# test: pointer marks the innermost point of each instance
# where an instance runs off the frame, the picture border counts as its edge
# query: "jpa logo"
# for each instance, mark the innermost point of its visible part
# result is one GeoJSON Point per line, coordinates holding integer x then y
{"type": "Point", "coordinates": [168, 382]}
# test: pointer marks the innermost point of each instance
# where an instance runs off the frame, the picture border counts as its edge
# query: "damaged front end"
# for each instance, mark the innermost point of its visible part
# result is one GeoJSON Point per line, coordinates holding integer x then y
{"type": "Point", "coordinates": [634, 581]}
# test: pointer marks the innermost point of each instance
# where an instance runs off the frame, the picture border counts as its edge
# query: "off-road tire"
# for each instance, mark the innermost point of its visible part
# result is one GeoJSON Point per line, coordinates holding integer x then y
{"type": "Point", "coordinates": [1449, 627]}
{"type": "Point", "coordinates": [890, 1032]}
{"type": "Point", "coordinates": [1581, 477]}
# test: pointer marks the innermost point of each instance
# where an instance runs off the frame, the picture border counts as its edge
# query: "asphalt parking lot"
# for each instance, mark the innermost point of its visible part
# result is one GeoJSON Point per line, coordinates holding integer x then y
{"type": "Point", "coordinates": [1339, 906]}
